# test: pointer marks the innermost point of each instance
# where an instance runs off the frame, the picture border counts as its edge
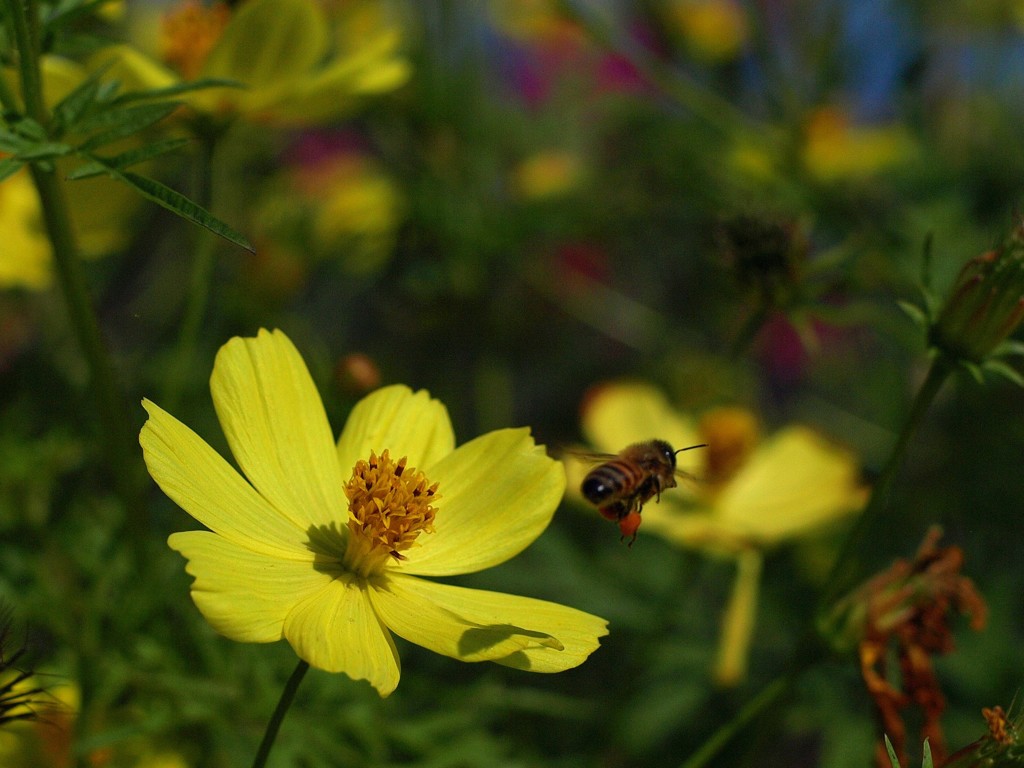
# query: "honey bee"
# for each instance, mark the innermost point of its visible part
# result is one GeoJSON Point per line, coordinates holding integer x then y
{"type": "Point", "coordinates": [621, 485]}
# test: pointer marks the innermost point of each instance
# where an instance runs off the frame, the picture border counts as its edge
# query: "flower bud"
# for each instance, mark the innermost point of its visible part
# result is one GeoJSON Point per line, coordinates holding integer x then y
{"type": "Point", "coordinates": [986, 304]}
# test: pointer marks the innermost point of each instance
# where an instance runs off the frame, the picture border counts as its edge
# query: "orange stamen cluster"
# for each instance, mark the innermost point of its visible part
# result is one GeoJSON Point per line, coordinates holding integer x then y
{"type": "Point", "coordinates": [389, 507]}
{"type": "Point", "coordinates": [189, 33]}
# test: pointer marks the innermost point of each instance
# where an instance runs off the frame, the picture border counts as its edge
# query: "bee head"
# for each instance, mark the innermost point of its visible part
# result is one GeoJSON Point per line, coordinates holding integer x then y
{"type": "Point", "coordinates": [666, 452]}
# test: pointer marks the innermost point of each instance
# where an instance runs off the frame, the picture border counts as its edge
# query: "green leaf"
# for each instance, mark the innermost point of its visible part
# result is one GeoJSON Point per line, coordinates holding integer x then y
{"type": "Point", "coordinates": [123, 122]}
{"type": "Point", "coordinates": [12, 143]}
{"type": "Point", "coordinates": [892, 753]}
{"type": "Point", "coordinates": [73, 107]}
{"type": "Point", "coordinates": [926, 762]}
{"type": "Point", "coordinates": [66, 15]}
{"type": "Point", "coordinates": [127, 159]}
{"type": "Point", "coordinates": [1004, 369]}
{"type": "Point", "coordinates": [1009, 348]}
{"type": "Point", "coordinates": [9, 166]}
{"type": "Point", "coordinates": [44, 151]}
{"type": "Point", "coordinates": [973, 369]}
{"type": "Point", "coordinates": [915, 313]}
{"type": "Point", "coordinates": [176, 90]}
{"type": "Point", "coordinates": [178, 204]}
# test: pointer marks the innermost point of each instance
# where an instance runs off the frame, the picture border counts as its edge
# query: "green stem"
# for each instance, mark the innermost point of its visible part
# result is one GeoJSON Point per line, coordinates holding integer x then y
{"type": "Point", "coordinates": [24, 23]}
{"type": "Point", "coordinates": [771, 693]}
{"type": "Point", "coordinates": [844, 569]}
{"type": "Point", "coordinates": [119, 442]}
{"type": "Point", "coordinates": [200, 280]}
{"type": "Point", "coordinates": [287, 696]}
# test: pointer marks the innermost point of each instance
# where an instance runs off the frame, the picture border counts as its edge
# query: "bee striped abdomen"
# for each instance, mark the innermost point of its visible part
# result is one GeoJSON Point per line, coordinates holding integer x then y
{"type": "Point", "coordinates": [610, 480]}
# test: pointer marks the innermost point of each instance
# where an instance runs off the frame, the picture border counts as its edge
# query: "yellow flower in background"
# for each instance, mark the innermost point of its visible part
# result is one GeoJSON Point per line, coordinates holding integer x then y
{"type": "Point", "coordinates": [25, 251]}
{"type": "Point", "coordinates": [102, 210]}
{"type": "Point", "coordinates": [324, 544]}
{"type": "Point", "coordinates": [749, 494]}
{"type": "Point", "coordinates": [547, 174]}
{"type": "Point", "coordinates": [357, 208]}
{"type": "Point", "coordinates": [714, 30]}
{"type": "Point", "coordinates": [837, 149]}
{"type": "Point", "coordinates": [296, 65]}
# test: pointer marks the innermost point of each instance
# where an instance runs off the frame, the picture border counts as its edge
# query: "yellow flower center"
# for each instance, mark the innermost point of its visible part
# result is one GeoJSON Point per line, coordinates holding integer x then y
{"type": "Point", "coordinates": [189, 32]}
{"type": "Point", "coordinates": [731, 435]}
{"type": "Point", "coordinates": [389, 507]}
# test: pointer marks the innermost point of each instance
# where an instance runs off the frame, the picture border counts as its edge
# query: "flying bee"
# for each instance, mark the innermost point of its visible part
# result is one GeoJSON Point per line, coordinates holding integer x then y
{"type": "Point", "coordinates": [621, 485]}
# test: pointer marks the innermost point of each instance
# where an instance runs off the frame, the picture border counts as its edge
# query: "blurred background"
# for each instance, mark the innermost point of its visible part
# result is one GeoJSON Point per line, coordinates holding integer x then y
{"type": "Point", "coordinates": [510, 204]}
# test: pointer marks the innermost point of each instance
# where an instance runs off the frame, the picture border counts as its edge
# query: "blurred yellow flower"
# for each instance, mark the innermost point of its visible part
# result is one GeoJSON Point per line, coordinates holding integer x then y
{"type": "Point", "coordinates": [101, 209]}
{"type": "Point", "coordinates": [46, 739]}
{"type": "Point", "coordinates": [325, 543]}
{"type": "Point", "coordinates": [547, 174]}
{"type": "Point", "coordinates": [539, 21]}
{"type": "Point", "coordinates": [749, 493]}
{"type": "Point", "coordinates": [25, 253]}
{"type": "Point", "coordinates": [357, 208]}
{"type": "Point", "coordinates": [296, 65]}
{"type": "Point", "coordinates": [714, 30]}
{"type": "Point", "coordinates": [836, 149]}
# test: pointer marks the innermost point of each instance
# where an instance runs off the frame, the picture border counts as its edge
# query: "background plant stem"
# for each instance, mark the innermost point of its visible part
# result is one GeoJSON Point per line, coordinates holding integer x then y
{"type": "Point", "coordinates": [200, 279]}
{"type": "Point", "coordinates": [118, 439]}
{"type": "Point", "coordinates": [287, 696]}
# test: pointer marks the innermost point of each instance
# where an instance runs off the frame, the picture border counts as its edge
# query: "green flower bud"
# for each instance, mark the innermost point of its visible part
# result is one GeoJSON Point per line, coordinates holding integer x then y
{"type": "Point", "coordinates": [986, 304]}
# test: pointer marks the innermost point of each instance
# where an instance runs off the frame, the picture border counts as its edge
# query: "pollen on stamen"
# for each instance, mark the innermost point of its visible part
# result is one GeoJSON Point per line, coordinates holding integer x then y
{"type": "Point", "coordinates": [390, 505]}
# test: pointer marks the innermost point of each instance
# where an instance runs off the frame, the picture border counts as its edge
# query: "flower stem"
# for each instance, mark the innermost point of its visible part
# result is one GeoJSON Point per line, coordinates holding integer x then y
{"type": "Point", "coordinates": [287, 696]}
{"type": "Point", "coordinates": [751, 710]}
{"type": "Point", "coordinates": [844, 568]}
{"type": "Point", "coordinates": [118, 438]}
{"type": "Point", "coordinates": [203, 262]}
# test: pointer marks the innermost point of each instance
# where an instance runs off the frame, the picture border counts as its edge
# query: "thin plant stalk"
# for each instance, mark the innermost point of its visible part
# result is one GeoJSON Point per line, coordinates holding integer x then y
{"type": "Point", "coordinates": [200, 279]}
{"type": "Point", "coordinates": [117, 434]}
{"type": "Point", "coordinates": [283, 704]}
{"type": "Point", "coordinates": [844, 568]}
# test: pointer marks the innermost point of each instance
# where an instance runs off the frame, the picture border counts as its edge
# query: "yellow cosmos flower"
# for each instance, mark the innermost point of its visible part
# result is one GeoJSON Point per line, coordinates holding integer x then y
{"type": "Point", "coordinates": [102, 210]}
{"type": "Point", "coordinates": [326, 543]}
{"type": "Point", "coordinates": [836, 149]}
{"type": "Point", "coordinates": [715, 30]}
{"type": "Point", "coordinates": [750, 493]}
{"type": "Point", "coordinates": [296, 65]}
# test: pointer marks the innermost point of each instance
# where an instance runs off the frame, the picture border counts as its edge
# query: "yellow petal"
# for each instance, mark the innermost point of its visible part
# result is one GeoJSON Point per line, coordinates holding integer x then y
{"type": "Point", "coordinates": [794, 483]}
{"type": "Point", "coordinates": [406, 423]}
{"type": "Point", "coordinates": [618, 414]}
{"type": "Point", "coordinates": [373, 68]}
{"type": "Point", "coordinates": [276, 426]}
{"type": "Point", "coordinates": [201, 482]}
{"type": "Point", "coordinates": [244, 595]}
{"type": "Point", "coordinates": [739, 619]}
{"type": "Point", "coordinates": [476, 625]}
{"type": "Point", "coordinates": [498, 494]}
{"type": "Point", "coordinates": [336, 630]}
{"type": "Point", "coordinates": [269, 43]}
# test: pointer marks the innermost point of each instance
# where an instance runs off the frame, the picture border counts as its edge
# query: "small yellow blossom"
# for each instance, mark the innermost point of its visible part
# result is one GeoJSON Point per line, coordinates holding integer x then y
{"type": "Point", "coordinates": [715, 30]}
{"type": "Point", "coordinates": [324, 544]}
{"type": "Point", "coordinates": [836, 149]}
{"type": "Point", "coordinates": [749, 494]}
{"type": "Point", "coordinates": [25, 252]}
{"type": "Point", "coordinates": [293, 64]}
{"type": "Point", "coordinates": [101, 209]}
{"type": "Point", "coordinates": [547, 174]}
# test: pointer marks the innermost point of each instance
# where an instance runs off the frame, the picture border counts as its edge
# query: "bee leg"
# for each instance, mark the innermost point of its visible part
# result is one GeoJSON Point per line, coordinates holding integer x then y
{"type": "Point", "coordinates": [628, 526]}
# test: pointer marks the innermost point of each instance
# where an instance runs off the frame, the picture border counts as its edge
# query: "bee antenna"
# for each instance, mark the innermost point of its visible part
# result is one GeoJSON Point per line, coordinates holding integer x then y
{"type": "Point", "coordinates": [691, 447]}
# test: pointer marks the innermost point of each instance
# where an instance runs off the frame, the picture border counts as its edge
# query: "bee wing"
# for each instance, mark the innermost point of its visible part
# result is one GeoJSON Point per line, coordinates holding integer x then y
{"type": "Point", "coordinates": [588, 457]}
